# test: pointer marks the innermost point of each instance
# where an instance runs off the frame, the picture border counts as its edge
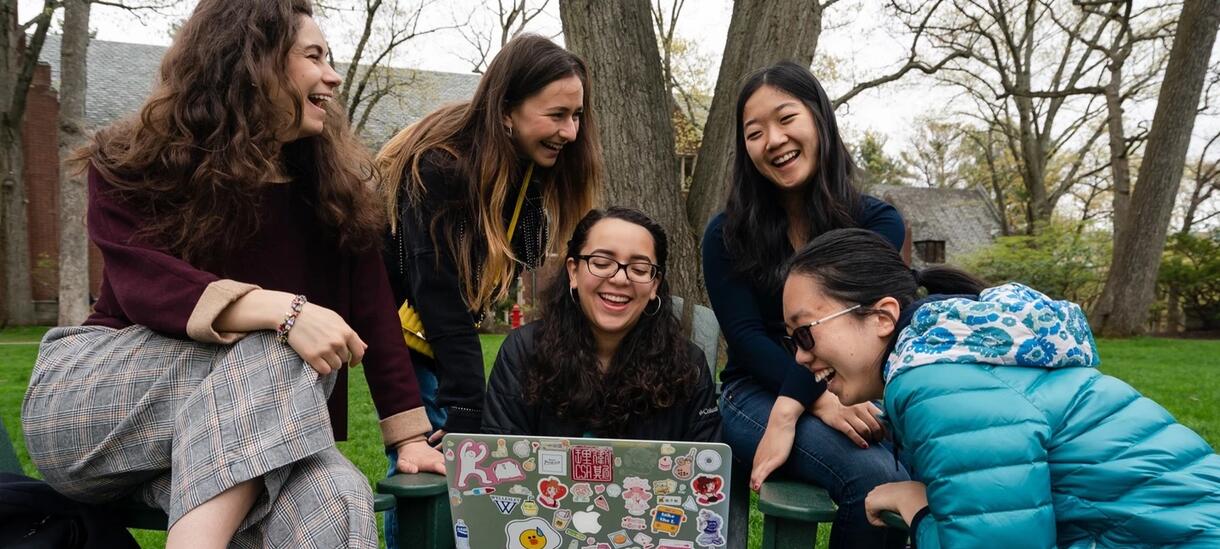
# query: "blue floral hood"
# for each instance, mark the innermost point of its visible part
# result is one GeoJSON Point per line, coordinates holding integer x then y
{"type": "Point", "coordinates": [1009, 325]}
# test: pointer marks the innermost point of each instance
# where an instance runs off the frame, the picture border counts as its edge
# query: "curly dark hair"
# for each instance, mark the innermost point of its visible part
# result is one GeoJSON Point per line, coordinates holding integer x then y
{"type": "Point", "coordinates": [203, 146]}
{"type": "Point", "coordinates": [651, 369]}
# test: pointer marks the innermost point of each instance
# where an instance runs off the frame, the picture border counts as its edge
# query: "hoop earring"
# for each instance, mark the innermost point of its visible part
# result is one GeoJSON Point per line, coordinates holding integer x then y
{"type": "Point", "coordinates": [509, 130]}
{"type": "Point", "coordinates": [654, 311]}
{"type": "Point", "coordinates": [572, 294]}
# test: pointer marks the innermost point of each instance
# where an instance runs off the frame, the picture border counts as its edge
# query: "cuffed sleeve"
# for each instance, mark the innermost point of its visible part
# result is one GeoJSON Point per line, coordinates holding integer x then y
{"type": "Point", "coordinates": [409, 426]}
{"type": "Point", "coordinates": [216, 297]}
{"type": "Point", "coordinates": [150, 286]}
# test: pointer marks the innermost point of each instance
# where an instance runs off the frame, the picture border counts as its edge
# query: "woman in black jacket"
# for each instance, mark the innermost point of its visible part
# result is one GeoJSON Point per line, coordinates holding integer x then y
{"type": "Point", "coordinates": [608, 359]}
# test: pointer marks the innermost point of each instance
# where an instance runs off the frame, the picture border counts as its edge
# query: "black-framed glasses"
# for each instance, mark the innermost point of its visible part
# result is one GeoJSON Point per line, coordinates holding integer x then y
{"type": "Point", "coordinates": [802, 336]}
{"type": "Point", "coordinates": [639, 272]}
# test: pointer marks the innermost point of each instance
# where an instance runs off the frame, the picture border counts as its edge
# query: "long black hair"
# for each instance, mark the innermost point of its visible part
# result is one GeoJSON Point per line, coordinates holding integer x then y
{"type": "Point", "coordinates": [858, 266]}
{"type": "Point", "coordinates": [756, 224]}
{"type": "Point", "coordinates": [650, 371]}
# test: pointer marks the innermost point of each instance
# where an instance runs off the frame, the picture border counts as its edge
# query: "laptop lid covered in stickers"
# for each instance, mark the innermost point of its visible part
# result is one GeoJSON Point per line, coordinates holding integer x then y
{"type": "Point", "coordinates": [522, 492]}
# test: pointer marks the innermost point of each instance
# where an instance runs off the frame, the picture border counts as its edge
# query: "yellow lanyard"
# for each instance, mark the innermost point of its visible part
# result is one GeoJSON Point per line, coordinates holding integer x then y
{"type": "Point", "coordinates": [512, 225]}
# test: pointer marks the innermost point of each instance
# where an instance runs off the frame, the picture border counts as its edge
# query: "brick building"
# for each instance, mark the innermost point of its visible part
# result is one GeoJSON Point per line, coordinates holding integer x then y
{"type": "Point", "coordinates": [121, 75]}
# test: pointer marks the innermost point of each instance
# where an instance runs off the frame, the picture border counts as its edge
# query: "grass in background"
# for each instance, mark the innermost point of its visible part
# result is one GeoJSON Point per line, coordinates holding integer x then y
{"type": "Point", "coordinates": [1170, 371]}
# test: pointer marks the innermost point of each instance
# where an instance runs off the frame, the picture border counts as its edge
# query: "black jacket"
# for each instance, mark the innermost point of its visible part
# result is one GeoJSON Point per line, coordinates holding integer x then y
{"type": "Point", "coordinates": [505, 410]}
{"type": "Point", "coordinates": [423, 271]}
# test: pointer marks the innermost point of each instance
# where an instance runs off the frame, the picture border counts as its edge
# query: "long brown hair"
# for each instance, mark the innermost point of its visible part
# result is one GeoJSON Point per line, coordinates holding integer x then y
{"type": "Point", "coordinates": [473, 134]}
{"type": "Point", "coordinates": [204, 143]}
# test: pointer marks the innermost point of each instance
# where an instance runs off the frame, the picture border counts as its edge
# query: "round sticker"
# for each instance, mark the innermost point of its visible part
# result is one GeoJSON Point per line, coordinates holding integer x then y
{"type": "Point", "coordinates": [708, 460]}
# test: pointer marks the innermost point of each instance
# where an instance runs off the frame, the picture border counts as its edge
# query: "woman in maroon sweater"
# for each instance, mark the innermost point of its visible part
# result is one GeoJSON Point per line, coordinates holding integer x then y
{"type": "Point", "coordinates": [242, 273]}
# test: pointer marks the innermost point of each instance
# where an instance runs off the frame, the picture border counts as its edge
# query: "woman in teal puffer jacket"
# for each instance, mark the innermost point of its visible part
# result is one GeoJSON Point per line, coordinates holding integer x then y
{"type": "Point", "coordinates": [994, 397]}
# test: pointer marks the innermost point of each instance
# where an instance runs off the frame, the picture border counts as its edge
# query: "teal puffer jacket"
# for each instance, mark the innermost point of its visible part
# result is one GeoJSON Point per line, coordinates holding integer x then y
{"type": "Point", "coordinates": [1000, 410]}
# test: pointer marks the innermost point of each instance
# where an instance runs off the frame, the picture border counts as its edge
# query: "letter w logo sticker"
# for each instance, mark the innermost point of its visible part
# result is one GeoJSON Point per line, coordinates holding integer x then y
{"type": "Point", "coordinates": [504, 503]}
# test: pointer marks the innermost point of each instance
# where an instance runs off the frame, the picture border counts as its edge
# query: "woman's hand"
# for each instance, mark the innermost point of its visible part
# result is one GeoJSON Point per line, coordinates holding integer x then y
{"type": "Point", "coordinates": [905, 498]}
{"type": "Point", "coordinates": [418, 457]}
{"type": "Point", "coordinates": [434, 440]}
{"type": "Point", "coordinates": [859, 422]}
{"type": "Point", "coordinates": [777, 440]}
{"type": "Point", "coordinates": [324, 340]}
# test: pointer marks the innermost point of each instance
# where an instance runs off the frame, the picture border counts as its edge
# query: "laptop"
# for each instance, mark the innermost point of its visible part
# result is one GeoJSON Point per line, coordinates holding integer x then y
{"type": "Point", "coordinates": [523, 492]}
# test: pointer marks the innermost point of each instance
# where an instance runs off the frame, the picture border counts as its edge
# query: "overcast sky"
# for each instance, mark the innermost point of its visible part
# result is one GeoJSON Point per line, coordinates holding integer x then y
{"type": "Point", "coordinates": [854, 34]}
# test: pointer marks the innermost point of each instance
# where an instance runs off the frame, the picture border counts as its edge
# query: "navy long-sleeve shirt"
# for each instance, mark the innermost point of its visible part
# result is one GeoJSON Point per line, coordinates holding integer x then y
{"type": "Point", "coordinates": [752, 318]}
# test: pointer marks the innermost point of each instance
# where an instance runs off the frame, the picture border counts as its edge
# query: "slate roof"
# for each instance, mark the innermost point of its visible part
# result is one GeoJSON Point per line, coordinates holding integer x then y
{"type": "Point", "coordinates": [962, 218]}
{"type": "Point", "coordinates": [121, 75]}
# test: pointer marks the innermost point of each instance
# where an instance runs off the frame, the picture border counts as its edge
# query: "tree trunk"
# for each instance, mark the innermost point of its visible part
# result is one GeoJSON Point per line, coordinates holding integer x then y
{"type": "Point", "coordinates": [761, 32]}
{"type": "Point", "coordinates": [1130, 285]}
{"type": "Point", "coordinates": [16, 74]}
{"type": "Point", "coordinates": [73, 240]}
{"type": "Point", "coordinates": [618, 42]}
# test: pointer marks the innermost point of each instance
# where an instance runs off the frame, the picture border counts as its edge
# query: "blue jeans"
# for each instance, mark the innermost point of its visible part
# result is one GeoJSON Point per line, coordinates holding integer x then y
{"type": "Point", "coordinates": [428, 385]}
{"type": "Point", "coordinates": [820, 455]}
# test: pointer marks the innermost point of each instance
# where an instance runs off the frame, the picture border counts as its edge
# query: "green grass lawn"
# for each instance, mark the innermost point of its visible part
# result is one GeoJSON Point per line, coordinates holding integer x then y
{"type": "Point", "coordinates": [1171, 371]}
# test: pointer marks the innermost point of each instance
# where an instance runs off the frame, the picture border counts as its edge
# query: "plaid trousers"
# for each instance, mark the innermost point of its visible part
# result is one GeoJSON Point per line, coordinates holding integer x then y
{"type": "Point", "coordinates": [112, 413]}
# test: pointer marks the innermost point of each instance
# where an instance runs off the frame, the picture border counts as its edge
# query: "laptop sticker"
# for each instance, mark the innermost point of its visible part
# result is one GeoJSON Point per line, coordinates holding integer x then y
{"type": "Point", "coordinates": [684, 466]}
{"type": "Point", "coordinates": [667, 520]}
{"type": "Point", "coordinates": [470, 453]}
{"type": "Point", "coordinates": [709, 524]}
{"type": "Point", "coordinates": [636, 495]}
{"type": "Point", "coordinates": [708, 488]}
{"type": "Point", "coordinates": [553, 462]}
{"type": "Point", "coordinates": [593, 463]}
{"type": "Point", "coordinates": [551, 492]}
{"type": "Point", "coordinates": [531, 533]}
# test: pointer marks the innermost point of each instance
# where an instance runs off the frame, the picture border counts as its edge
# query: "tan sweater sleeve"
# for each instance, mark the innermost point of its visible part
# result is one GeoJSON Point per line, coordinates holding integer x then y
{"type": "Point", "coordinates": [216, 297]}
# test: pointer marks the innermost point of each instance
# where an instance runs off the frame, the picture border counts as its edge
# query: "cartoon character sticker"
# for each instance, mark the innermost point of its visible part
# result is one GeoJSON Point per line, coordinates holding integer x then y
{"type": "Point", "coordinates": [710, 525]}
{"type": "Point", "coordinates": [684, 466]}
{"type": "Point", "coordinates": [708, 489]}
{"type": "Point", "coordinates": [501, 450]}
{"type": "Point", "coordinates": [581, 492]}
{"type": "Point", "coordinates": [551, 492]}
{"type": "Point", "coordinates": [636, 495]}
{"type": "Point", "coordinates": [531, 533]}
{"type": "Point", "coordinates": [665, 463]}
{"type": "Point", "coordinates": [470, 453]}
{"type": "Point", "coordinates": [593, 463]}
{"type": "Point", "coordinates": [667, 520]}
{"type": "Point", "coordinates": [664, 487]}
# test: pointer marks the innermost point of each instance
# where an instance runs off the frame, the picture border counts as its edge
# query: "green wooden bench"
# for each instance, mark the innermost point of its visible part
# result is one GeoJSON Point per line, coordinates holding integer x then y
{"type": "Point", "coordinates": [131, 512]}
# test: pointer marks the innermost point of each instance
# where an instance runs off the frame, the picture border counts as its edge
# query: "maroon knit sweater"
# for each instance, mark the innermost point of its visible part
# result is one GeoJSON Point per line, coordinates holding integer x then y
{"type": "Point", "coordinates": [143, 284]}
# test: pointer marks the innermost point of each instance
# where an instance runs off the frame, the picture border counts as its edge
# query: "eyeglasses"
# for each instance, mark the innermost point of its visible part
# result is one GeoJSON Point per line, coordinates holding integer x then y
{"type": "Point", "coordinates": [802, 336]}
{"type": "Point", "coordinates": [639, 272]}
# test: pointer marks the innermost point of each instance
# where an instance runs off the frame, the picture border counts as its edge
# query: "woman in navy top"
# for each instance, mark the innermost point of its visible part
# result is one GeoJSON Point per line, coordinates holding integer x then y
{"type": "Point", "coordinates": [791, 182]}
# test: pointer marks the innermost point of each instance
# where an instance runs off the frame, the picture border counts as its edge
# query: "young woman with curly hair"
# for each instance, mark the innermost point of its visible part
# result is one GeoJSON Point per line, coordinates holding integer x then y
{"type": "Point", "coordinates": [608, 357]}
{"type": "Point", "coordinates": [205, 381]}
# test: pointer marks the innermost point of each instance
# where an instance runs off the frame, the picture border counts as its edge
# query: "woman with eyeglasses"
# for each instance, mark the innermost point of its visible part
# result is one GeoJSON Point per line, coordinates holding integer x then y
{"type": "Point", "coordinates": [792, 181]}
{"type": "Point", "coordinates": [608, 357]}
{"type": "Point", "coordinates": [994, 398]}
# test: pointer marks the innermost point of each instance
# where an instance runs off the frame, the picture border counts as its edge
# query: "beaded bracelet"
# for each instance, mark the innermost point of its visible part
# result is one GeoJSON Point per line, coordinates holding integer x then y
{"type": "Point", "coordinates": [281, 332]}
